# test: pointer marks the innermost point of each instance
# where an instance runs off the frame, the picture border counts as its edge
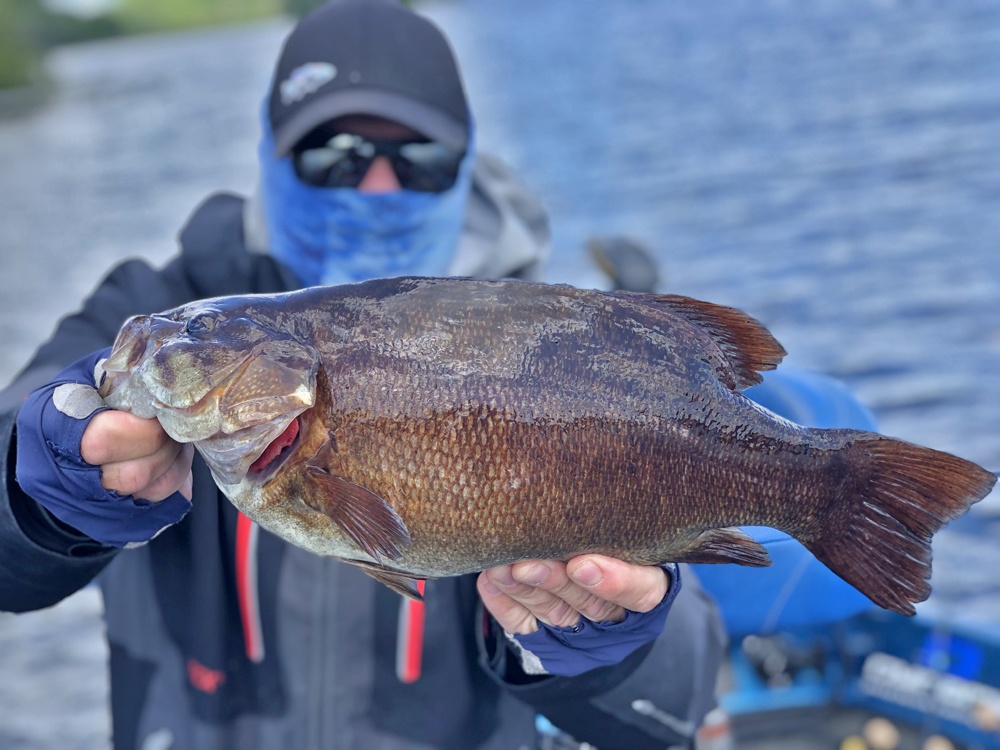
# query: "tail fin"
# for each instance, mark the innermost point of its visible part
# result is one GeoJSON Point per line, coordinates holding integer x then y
{"type": "Point", "coordinates": [883, 548]}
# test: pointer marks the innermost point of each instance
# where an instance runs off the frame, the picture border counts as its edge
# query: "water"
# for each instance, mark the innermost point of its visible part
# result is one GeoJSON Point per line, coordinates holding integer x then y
{"type": "Point", "coordinates": [832, 167]}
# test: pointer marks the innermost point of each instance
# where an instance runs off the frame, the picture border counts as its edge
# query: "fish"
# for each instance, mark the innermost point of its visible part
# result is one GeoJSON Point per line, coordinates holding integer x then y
{"type": "Point", "coordinates": [428, 427]}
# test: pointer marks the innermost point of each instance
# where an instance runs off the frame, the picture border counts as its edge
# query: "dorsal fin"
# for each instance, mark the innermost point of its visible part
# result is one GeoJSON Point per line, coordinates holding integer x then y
{"type": "Point", "coordinates": [746, 345]}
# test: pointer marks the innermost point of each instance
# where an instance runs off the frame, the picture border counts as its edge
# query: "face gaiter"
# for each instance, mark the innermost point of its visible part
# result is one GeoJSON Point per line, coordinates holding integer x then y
{"type": "Point", "coordinates": [339, 235]}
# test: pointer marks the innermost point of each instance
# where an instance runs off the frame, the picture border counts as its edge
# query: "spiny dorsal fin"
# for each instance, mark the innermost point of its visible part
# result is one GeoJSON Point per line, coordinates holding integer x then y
{"type": "Point", "coordinates": [747, 347]}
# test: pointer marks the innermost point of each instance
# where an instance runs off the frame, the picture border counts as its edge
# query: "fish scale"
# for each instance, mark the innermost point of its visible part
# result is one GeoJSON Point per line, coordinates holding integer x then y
{"type": "Point", "coordinates": [445, 426]}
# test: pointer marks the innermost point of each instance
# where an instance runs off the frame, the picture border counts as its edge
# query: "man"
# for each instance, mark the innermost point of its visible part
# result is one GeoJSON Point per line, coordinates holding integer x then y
{"type": "Point", "coordinates": [222, 635]}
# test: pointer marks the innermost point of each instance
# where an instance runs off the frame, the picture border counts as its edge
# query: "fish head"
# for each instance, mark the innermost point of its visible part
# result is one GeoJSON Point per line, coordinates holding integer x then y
{"type": "Point", "coordinates": [221, 374]}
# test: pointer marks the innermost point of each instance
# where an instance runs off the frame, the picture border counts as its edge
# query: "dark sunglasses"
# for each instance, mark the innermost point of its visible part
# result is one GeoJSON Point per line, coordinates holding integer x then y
{"type": "Point", "coordinates": [426, 166]}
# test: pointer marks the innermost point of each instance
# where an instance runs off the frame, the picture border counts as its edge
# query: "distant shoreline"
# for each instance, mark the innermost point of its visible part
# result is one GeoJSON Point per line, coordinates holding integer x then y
{"type": "Point", "coordinates": [27, 33]}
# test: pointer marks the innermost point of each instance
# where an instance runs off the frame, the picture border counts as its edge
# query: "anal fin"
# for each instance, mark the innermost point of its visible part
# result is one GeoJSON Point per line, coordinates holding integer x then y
{"type": "Point", "coordinates": [726, 546]}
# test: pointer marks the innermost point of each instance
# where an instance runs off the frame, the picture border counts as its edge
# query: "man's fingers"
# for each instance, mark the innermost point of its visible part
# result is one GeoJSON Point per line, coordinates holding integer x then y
{"type": "Point", "coordinates": [518, 606]}
{"type": "Point", "coordinates": [551, 580]}
{"type": "Point", "coordinates": [636, 587]}
{"type": "Point", "coordinates": [116, 436]}
{"type": "Point", "coordinates": [511, 615]}
{"type": "Point", "coordinates": [558, 594]}
{"type": "Point", "coordinates": [177, 478]}
{"type": "Point", "coordinates": [153, 477]}
{"type": "Point", "coordinates": [136, 456]}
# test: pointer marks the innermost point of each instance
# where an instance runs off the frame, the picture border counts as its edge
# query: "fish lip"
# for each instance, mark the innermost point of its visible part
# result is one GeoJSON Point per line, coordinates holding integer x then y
{"type": "Point", "coordinates": [262, 475]}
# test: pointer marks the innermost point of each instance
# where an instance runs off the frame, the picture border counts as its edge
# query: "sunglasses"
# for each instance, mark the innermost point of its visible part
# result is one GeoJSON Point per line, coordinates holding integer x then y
{"type": "Point", "coordinates": [425, 166]}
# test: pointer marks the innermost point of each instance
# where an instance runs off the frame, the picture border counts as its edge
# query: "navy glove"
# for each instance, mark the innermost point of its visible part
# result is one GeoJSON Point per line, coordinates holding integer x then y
{"type": "Point", "coordinates": [568, 652]}
{"type": "Point", "coordinates": [50, 469]}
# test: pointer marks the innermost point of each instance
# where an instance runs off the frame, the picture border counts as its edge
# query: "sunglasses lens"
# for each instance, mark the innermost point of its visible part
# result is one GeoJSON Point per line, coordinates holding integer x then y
{"type": "Point", "coordinates": [341, 162]}
{"type": "Point", "coordinates": [427, 167]}
{"type": "Point", "coordinates": [345, 158]}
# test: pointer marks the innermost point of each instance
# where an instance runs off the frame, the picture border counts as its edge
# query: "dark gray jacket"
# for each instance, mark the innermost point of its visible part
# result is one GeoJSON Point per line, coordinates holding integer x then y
{"type": "Point", "coordinates": [179, 617]}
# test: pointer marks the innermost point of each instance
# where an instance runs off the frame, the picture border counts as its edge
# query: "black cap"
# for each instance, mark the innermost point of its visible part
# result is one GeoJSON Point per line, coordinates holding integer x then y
{"type": "Point", "coordinates": [370, 57]}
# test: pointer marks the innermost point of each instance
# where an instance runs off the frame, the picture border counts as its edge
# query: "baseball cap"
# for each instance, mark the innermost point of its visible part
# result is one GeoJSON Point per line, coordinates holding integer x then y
{"type": "Point", "coordinates": [371, 57]}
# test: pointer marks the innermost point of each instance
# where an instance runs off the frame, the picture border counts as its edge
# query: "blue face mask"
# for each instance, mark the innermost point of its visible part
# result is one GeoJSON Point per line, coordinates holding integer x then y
{"type": "Point", "coordinates": [339, 235]}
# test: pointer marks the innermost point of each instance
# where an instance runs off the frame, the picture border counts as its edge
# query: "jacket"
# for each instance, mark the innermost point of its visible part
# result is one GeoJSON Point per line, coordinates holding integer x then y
{"type": "Point", "coordinates": [222, 635]}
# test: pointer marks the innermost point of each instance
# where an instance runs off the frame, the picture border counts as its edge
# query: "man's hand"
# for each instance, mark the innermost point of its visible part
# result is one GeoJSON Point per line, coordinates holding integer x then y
{"type": "Point", "coordinates": [565, 618]}
{"type": "Point", "coordinates": [137, 457]}
{"type": "Point", "coordinates": [558, 594]}
{"type": "Point", "coordinates": [109, 475]}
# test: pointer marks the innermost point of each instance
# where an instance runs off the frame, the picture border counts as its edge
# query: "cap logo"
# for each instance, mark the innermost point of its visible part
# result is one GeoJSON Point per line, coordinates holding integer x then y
{"type": "Point", "coordinates": [304, 80]}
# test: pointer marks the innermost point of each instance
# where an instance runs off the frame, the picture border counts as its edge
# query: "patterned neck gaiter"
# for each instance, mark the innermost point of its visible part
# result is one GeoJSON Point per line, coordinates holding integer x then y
{"type": "Point", "coordinates": [338, 235]}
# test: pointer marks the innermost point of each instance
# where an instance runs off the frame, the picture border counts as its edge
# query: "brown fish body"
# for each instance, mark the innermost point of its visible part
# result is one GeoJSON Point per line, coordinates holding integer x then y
{"type": "Point", "coordinates": [455, 425]}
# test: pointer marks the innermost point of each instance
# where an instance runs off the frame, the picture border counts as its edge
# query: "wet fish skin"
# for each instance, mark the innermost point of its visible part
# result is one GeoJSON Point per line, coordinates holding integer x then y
{"type": "Point", "coordinates": [434, 427]}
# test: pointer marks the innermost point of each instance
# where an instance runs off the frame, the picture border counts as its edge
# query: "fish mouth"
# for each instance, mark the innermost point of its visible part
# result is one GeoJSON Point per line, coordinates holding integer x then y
{"type": "Point", "coordinates": [276, 453]}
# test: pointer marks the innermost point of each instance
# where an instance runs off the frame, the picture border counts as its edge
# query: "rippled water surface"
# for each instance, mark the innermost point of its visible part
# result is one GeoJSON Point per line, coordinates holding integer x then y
{"type": "Point", "coordinates": [831, 167]}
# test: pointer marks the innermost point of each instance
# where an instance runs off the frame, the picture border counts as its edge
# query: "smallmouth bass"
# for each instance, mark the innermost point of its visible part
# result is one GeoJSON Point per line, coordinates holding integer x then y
{"type": "Point", "coordinates": [422, 428]}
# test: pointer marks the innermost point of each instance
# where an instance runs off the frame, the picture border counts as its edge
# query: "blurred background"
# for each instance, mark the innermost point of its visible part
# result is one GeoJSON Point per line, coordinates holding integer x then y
{"type": "Point", "coordinates": [830, 166]}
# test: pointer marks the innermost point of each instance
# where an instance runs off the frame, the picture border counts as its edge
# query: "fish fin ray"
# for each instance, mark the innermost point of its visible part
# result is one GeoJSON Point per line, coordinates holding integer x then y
{"type": "Point", "coordinates": [366, 518]}
{"type": "Point", "coordinates": [728, 545]}
{"type": "Point", "coordinates": [883, 548]}
{"type": "Point", "coordinates": [746, 347]}
{"type": "Point", "coordinates": [401, 583]}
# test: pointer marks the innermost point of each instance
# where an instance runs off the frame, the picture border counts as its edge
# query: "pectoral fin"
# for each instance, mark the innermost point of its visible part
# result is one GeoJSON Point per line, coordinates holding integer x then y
{"type": "Point", "coordinates": [725, 546]}
{"type": "Point", "coordinates": [368, 520]}
{"type": "Point", "coordinates": [399, 582]}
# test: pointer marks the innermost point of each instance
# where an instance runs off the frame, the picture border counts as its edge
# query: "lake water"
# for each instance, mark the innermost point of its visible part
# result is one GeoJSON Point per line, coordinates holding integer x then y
{"type": "Point", "coordinates": [832, 167]}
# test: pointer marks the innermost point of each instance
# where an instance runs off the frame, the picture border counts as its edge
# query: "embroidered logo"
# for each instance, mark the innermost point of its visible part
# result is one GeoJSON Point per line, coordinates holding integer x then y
{"type": "Point", "coordinates": [203, 678]}
{"type": "Point", "coordinates": [304, 80]}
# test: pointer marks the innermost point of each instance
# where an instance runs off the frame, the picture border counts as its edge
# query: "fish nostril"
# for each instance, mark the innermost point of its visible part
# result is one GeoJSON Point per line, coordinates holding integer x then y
{"type": "Point", "coordinates": [200, 325]}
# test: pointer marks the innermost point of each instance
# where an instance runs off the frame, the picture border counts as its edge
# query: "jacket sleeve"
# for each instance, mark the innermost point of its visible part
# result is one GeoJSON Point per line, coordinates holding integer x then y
{"type": "Point", "coordinates": [42, 560]}
{"type": "Point", "coordinates": [655, 698]}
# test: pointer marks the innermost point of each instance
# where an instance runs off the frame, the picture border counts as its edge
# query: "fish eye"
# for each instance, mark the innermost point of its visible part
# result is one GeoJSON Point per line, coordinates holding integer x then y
{"type": "Point", "coordinates": [200, 324]}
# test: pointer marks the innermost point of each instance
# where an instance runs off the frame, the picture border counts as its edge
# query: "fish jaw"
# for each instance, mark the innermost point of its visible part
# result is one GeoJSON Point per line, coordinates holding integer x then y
{"type": "Point", "coordinates": [230, 397]}
{"type": "Point", "coordinates": [230, 456]}
{"type": "Point", "coordinates": [259, 403]}
{"type": "Point", "coordinates": [119, 387]}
